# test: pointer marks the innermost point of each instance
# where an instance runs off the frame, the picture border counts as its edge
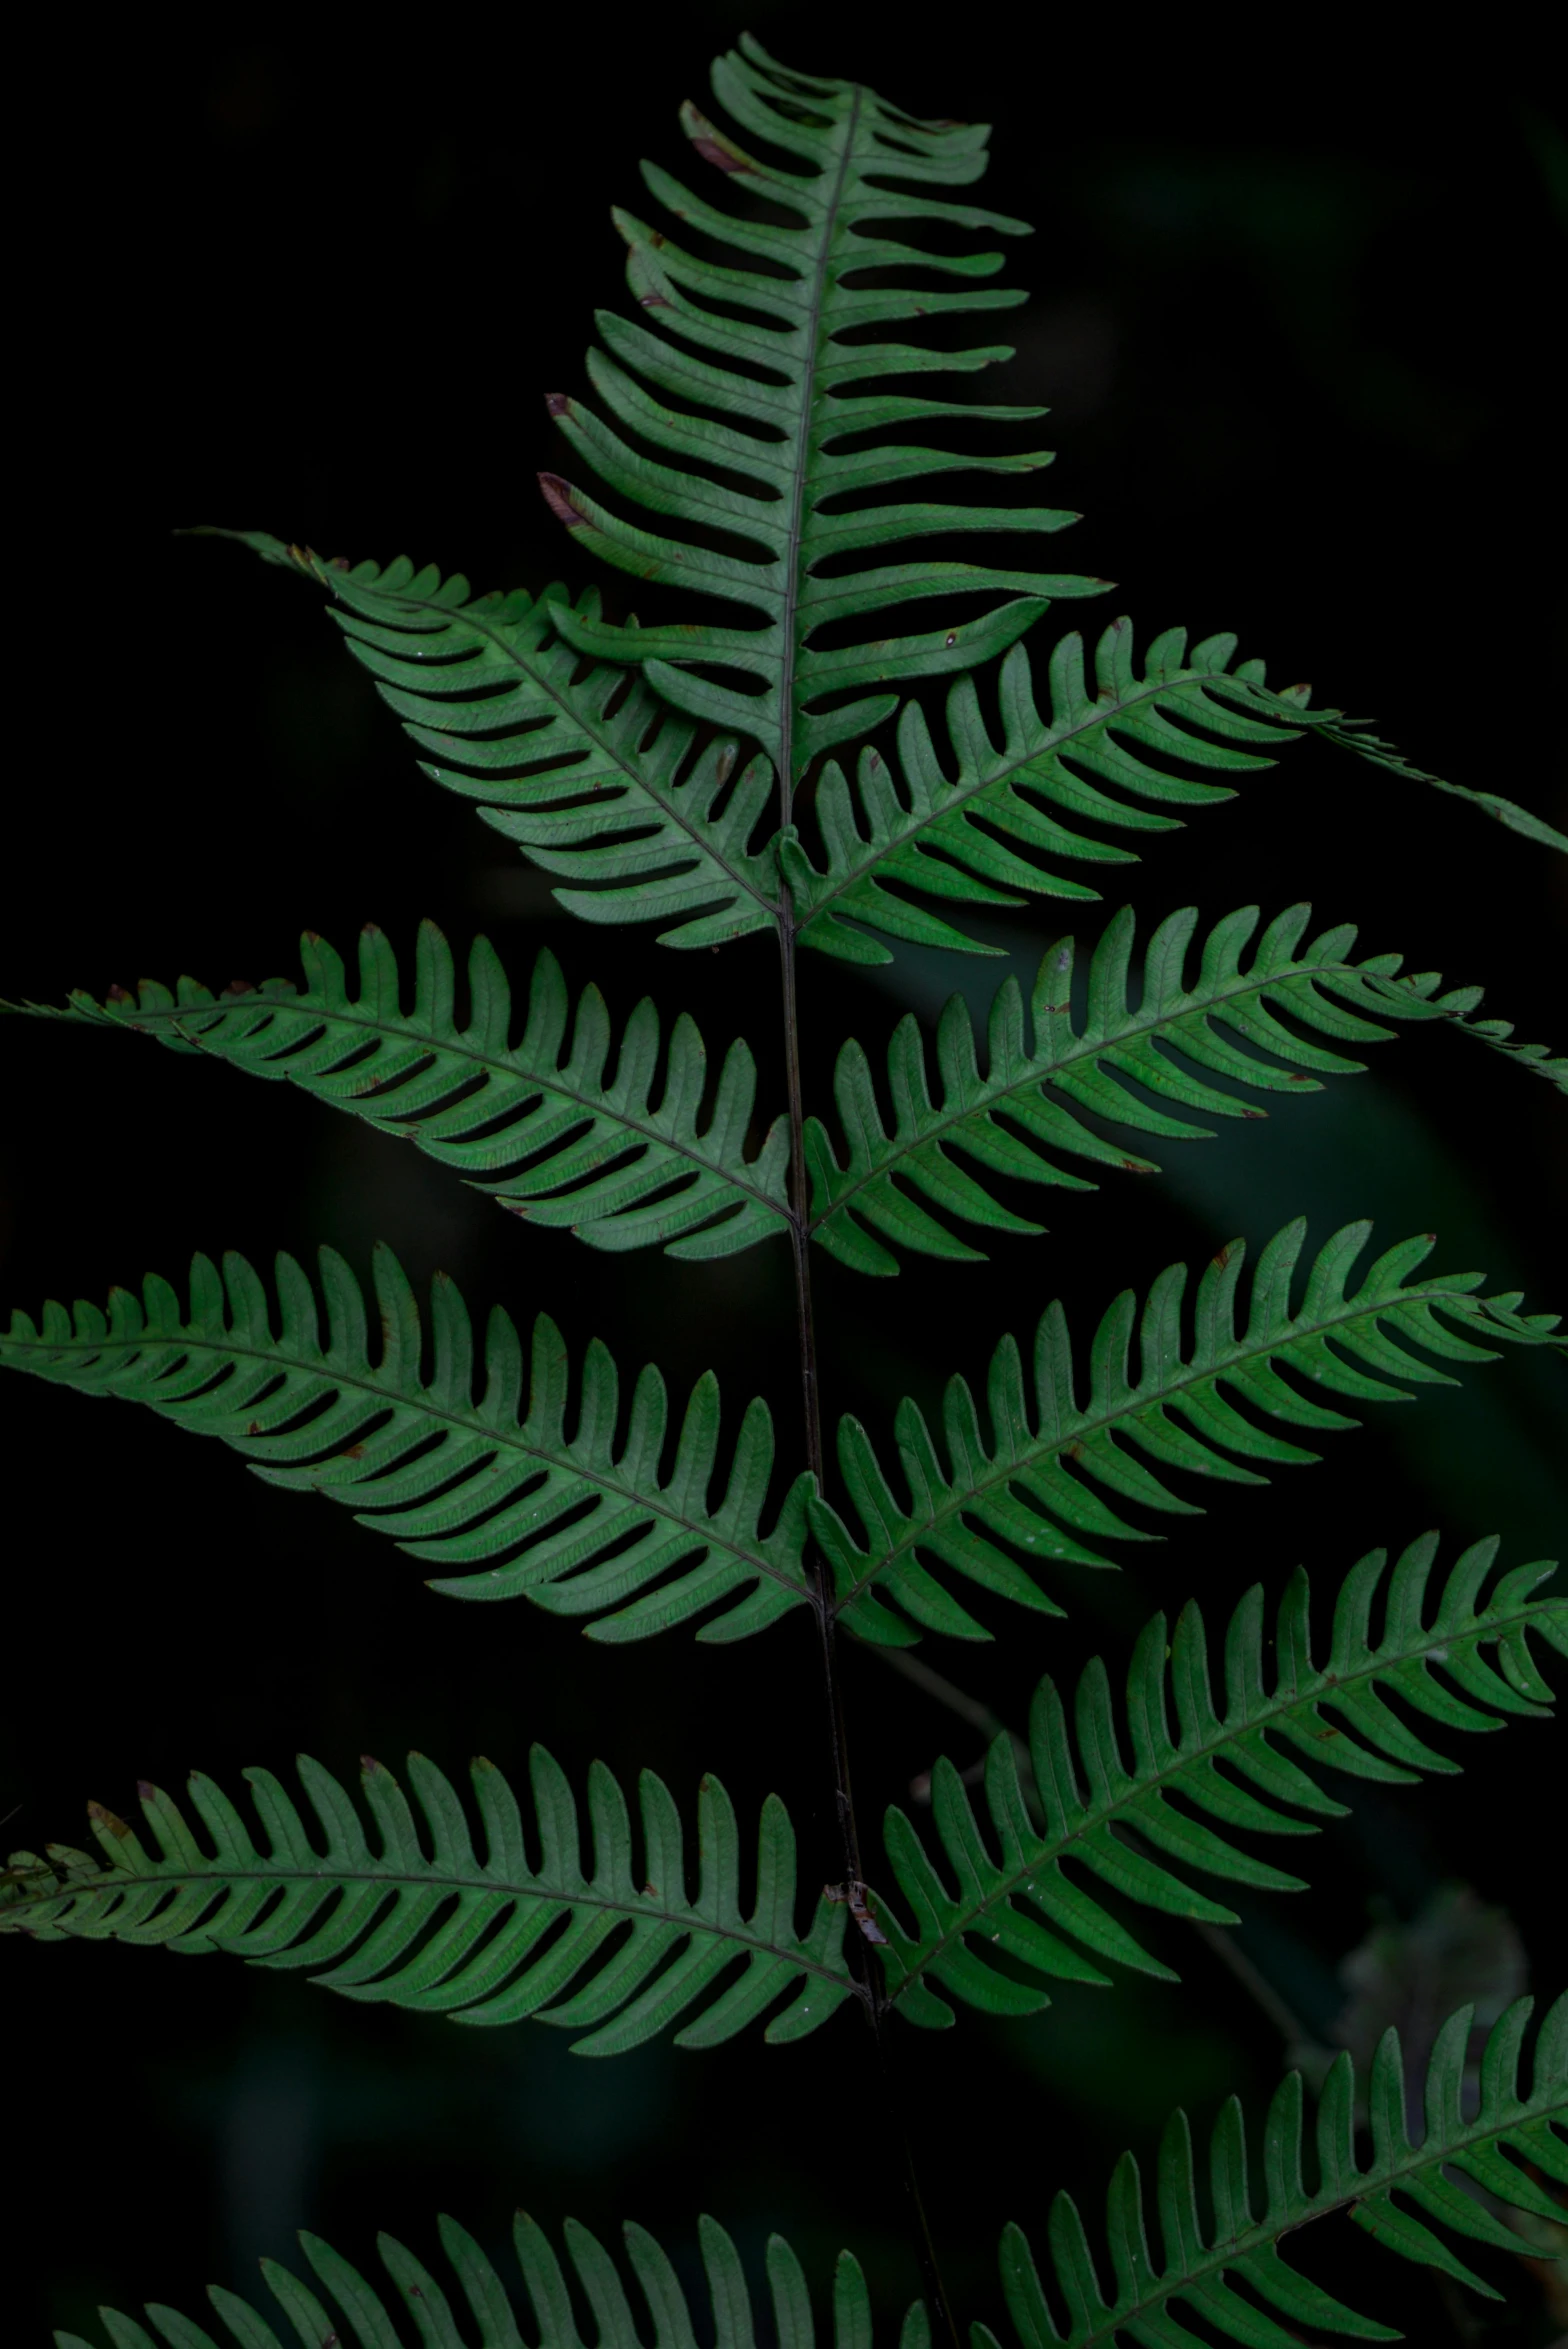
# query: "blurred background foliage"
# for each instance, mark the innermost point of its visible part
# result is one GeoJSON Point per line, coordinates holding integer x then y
{"type": "Point", "coordinates": [1294, 317]}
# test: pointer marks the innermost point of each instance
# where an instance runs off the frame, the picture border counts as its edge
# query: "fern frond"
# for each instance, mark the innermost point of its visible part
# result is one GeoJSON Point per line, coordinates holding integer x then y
{"type": "Point", "coordinates": [489, 1940]}
{"type": "Point", "coordinates": [1222, 1772]}
{"type": "Point", "coordinates": [1043, 1087]}
{"type": "Point", "coordinates": [538, 1123]}
{"type": "Point", "coordinates": [984, 836]}
{"type": "Point", "coordinates": [731, 393]}
{"type": "Point", "coordinates": [361, 2314]}
{"type": "Point", "coordinates": [1227, 2272]}
{"type": "Point", "coordinates": [1033, 1486]}
{"type": "Point", "coordinates": [598, 782]}
{"type": "Point", "coordinates": [497, 1496]}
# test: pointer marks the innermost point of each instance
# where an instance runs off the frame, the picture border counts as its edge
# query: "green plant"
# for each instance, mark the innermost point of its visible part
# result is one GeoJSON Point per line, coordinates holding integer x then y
{"type": "Point", "coordinates": [657, 774]}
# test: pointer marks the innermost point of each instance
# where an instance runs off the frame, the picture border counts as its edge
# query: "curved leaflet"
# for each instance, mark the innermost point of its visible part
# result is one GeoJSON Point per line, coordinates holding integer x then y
{"type": "Point", "coordinates": [1227, 2270]}
{"type": "Point", "coordinates": [1043, 1075]}
{"type": "Point", "coordinates": [1067, 1814]}
{"type": "Point", "coordinates": [360, 2313]}
{"type": "Point", "coordinates": [1012, 809]}
{"type": "Point", "coordinates": [494, 1493]}
{"type": "Point", "coordinates": [597, 780]}
{"type": "Point", "coordinates": [1035, 1487]}
{"type": "Point", "coordinates": [539, 1124]}
{"type": "Point", "coordinates": [489, 1940]}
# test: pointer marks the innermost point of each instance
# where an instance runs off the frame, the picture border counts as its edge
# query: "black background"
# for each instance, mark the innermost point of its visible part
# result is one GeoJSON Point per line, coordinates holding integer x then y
{"type": "Point", "coordinates": [1294, 318]}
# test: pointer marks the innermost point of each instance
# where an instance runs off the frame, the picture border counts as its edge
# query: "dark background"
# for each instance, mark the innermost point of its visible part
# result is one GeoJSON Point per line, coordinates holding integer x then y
{"type": "Point", "coordinates": [1293, 315]}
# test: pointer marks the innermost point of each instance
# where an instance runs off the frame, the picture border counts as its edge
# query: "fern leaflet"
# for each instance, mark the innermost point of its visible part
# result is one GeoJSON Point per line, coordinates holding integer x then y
{"type": "Point", "coordinates": [1222, 1022]}
{"type": "Point", "coordinates": [484, 1941]}
{"type": "Point", "coordinates": [501, 1499]}
{"type": "Point", "coordinates": [1189, 1792]}
{"type": "Point", "coordinates": [362, 2314]}
{"type": "Point", "coordinates": [597, 781]}
{"type": "Point", "coordinates": [1199, 2268]}
{"type": "Point", "coordinates": [537, 1123]}
{"type": "Point", "coordinates": [980, 837]}
{"type": "Point", "coordinates": [1033, 1487]}
{"type": "Point", "coordinates": [772, 511]}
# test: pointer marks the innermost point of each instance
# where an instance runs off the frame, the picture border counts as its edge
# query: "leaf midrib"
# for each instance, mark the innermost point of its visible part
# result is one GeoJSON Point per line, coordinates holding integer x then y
{"type": "Point", "coordinates": [1085, 1048]}
{"type": "Point", "coordinates": [804, 421]}
{"type": "Point", "coordinates": [1435, 1646]}
{"type": "Point", "coordinates": [221, 1876]}
{"type": "Point", "coordinates": [354, 1017]}
{"type": "Point", "coordinates": [1265, 2233]}
{"type": "Point", "coordinates": [1138, 1397]}
{"type": "Point", "coordinates": [392, 1398]}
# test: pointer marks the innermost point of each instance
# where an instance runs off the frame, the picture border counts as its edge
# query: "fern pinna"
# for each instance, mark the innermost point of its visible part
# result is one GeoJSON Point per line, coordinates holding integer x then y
{"type": "Point", "coordinates": [876, 747]}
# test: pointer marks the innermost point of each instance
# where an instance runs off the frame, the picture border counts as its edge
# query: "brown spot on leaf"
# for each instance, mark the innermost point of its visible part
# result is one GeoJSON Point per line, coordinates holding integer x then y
{"type": "Point", "coordinates": [103, 1818]}
{"type": "Point", "coordinates": [951, 637]}
{"type": "Point", "coordinates": [557, 404]}
{"type": "Point", "coordinates": [119, 994]}
{"type": "Point", "coordinates": [1221, 1257]}
{"type": "Point", "coordinates": [253, 1427]}
{"type": "Point", "coordinates": [353, 1452]}
{"type": "Point", "coordinates": [240, 987]}
{"type": "Point", "coordinates": [146, 1792]}
{"type": "Point", "coordinates": [656, 302]}
{"type": "Point", "coordinates": [1074, 1450]}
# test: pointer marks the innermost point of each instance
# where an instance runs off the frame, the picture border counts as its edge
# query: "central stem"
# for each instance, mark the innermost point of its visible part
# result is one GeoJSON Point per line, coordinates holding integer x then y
{"type": "Point", "coordinates": [811, 1405]}
{"type": "Point", "coordinates": [862, 1958]}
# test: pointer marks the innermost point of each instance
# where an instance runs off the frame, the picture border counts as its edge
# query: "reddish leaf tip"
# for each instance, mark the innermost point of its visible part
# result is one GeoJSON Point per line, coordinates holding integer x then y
{"type": "Point", "coordinates": [560, 497]}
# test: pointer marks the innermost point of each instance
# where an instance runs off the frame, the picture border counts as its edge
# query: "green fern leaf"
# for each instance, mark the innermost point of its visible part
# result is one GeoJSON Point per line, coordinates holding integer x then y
{"type": "Point", "coordinates": [1229, 1771]}
{"type": "Point", "coordinates": [489, 1940]}
{"type": "Point", "coordinates": [1221, 1022]}
{"type": "Point", "coordinates": [503, 1501]}
{"type": "Point", "coordinates": [771, 514]}
{"type": "Point", "coordinates": [362, 2314]}
{"type": "Point", "coordinates": [597, 781]}
{"type": "Point", "coordinates": [981, 837]}
{"type": "Point", "coordinates": [1033, 1488]}
{"type": "Point", "coordinates": [538, 1123]}
{"type": "Point", "coordinates": [1229, 2274]}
